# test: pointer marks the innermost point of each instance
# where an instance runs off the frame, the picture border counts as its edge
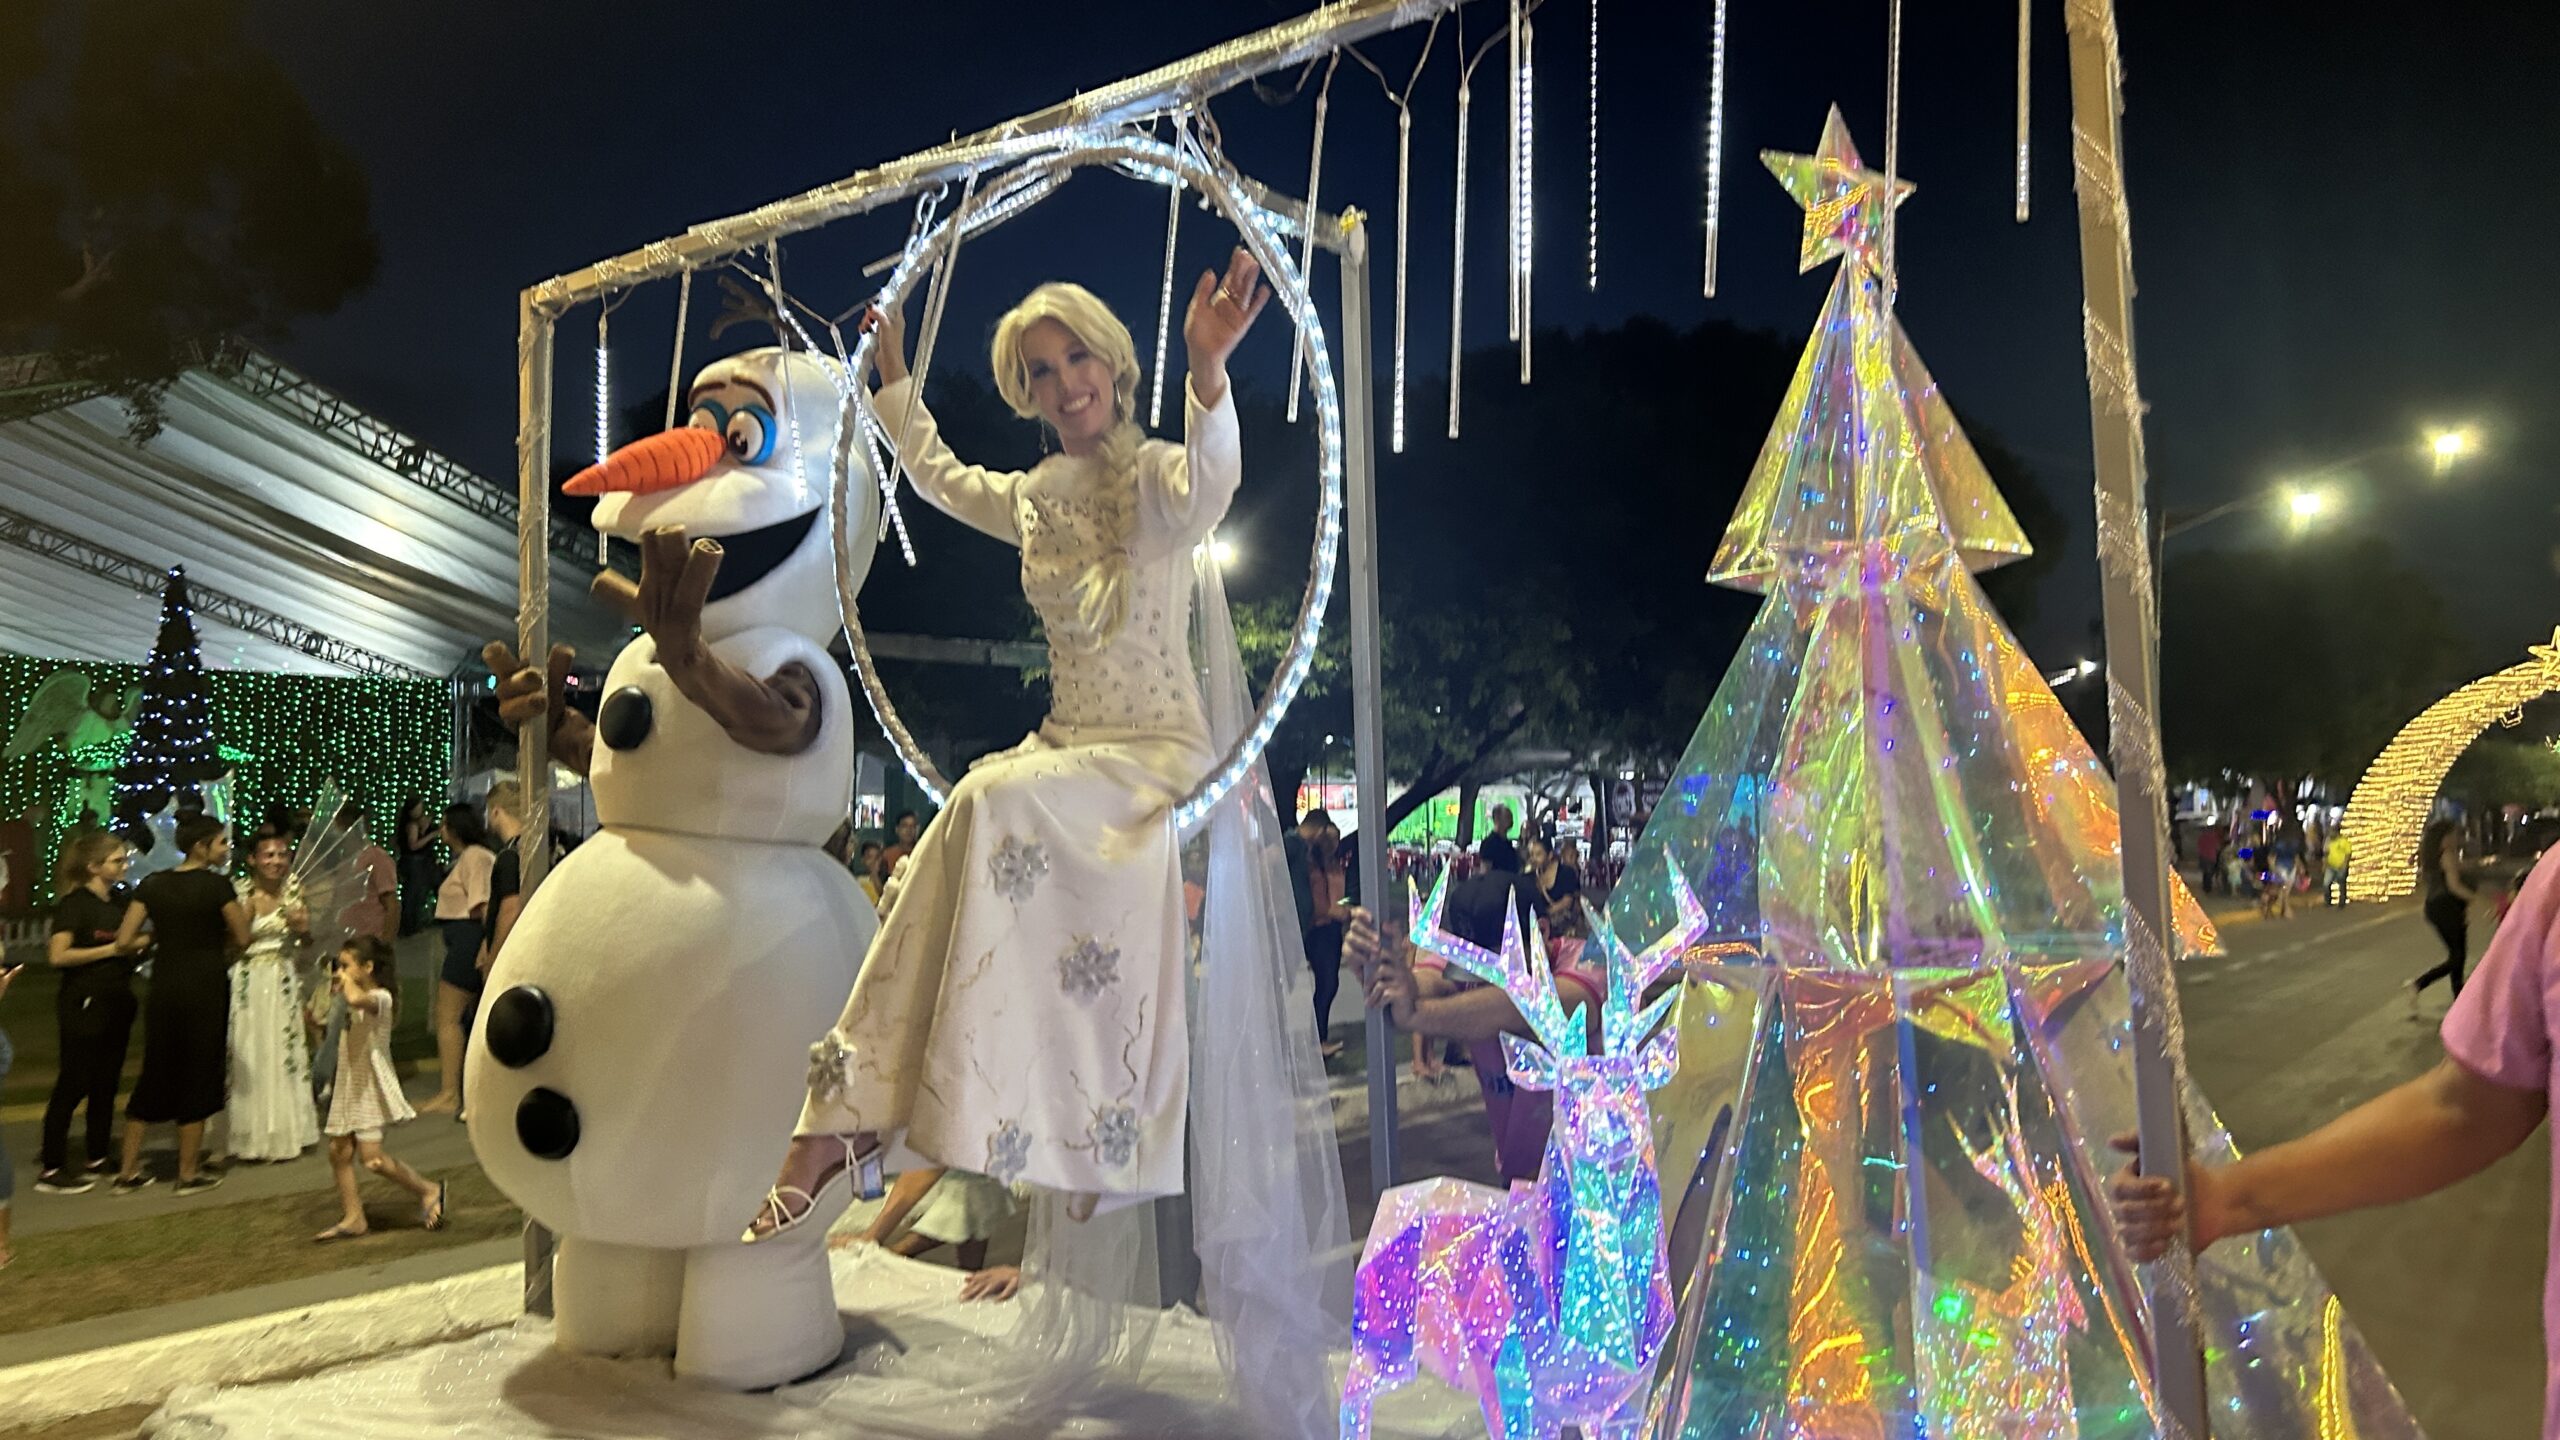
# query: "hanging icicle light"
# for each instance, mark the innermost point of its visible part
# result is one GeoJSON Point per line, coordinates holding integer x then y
{"type": "Point", "coordinates": [604, 392]}
{"type": "Point", "coordinates": [1591, 181]}
{"type": "Point", "coordinates": [675, 366]}
{"type": "Point", "coordinates": [1307, 246]}
{"type": "Point", "coordinates": [1892, 146]}
{"type": "Point", "coordinates": [1511, 142]}
{"type": "Point", "coordinates": [1523, 214]}
{"type": "Point", "coordinates": [2025, 20]}
{"type": "Point", "coordinates": [1404, 229]}
{"type": "Point", "coordinates": [1458, 268]}
{"type": "Point", "coordinates": [1715, 150]}
{"type": "Point", "coordinates": [604, 414]}
{"type": "Point", "coordinates": [1164, 297]}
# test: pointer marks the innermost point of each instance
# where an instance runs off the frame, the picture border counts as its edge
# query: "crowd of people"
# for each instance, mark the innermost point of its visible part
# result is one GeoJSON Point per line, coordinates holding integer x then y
{"type": "Point", "coordinates": [264, 1028]}
{"type": "Point", "coordinates": [2269, 857]}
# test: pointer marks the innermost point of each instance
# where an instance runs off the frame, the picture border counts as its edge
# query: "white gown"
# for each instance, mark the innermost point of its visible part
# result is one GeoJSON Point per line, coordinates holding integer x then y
{"type": "Point", "coordinates": [269, 1114]}
{"type": "Point", "coordinates": [1022, 1012]}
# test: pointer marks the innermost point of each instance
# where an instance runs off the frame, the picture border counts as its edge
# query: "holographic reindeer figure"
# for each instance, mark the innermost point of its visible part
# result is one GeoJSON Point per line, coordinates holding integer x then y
{"type": "Point", "coordinates": [1548, 1302]}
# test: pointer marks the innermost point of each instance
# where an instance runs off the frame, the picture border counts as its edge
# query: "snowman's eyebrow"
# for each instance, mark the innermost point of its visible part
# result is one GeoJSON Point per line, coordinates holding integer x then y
{"type": "Point", "coordinates": [701, 387]}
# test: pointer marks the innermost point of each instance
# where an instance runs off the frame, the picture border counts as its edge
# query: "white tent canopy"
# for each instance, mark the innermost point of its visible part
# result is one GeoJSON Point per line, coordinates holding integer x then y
{"type": "Point", "coordinates": [268, 491]}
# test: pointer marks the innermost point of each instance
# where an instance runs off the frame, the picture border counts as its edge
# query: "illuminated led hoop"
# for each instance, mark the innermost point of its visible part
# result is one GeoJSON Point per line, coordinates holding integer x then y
{"type": "Point", "coordinates": [1264, 234]}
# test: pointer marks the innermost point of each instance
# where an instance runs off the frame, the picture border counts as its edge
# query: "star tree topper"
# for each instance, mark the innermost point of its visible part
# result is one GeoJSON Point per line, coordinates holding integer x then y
{"type": "Point", "coordinates": [1839, 195]}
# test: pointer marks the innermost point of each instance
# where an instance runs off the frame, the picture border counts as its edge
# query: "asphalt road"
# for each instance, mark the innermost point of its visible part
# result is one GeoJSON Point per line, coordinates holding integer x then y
{"type": "Point", "coordinates": [2309, 1016]}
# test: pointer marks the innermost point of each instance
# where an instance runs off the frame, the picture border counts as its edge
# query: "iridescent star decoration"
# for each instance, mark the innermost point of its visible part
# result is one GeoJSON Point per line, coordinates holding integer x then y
{"type": "Point", "coordinates": [1841, 216]}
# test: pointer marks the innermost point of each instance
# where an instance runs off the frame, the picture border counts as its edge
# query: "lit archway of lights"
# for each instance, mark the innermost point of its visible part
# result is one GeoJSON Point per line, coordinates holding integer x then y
{"type": "Point", "coordinates": [2389, 809]}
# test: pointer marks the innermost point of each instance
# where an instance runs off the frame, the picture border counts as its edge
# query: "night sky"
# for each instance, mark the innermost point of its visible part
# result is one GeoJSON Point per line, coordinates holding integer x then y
{"type": "Point", "coordinates": [2335, 214]}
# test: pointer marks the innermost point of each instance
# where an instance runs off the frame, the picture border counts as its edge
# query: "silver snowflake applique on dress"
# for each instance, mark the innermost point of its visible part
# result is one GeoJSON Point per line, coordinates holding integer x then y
{"type": "Point", "coordinates": [1088, 967]}
{"type": "Point", "coordinates": [1017, 866]}
{"type": "Point", "coordinates": [1115, 1134]}
{"type": "Point", "coordinates": [1008, 1150]}
{"type": "Point", "coordinates": [830, 1068]}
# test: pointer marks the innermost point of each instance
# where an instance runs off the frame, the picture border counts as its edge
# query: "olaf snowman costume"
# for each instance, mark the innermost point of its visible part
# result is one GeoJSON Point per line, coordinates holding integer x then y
{"type": "Point", "coordinates": [639, 1063]}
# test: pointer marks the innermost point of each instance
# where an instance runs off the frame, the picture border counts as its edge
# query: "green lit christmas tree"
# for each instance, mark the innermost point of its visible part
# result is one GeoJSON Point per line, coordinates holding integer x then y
{"type": "Point", "coordinates": [173, 752]}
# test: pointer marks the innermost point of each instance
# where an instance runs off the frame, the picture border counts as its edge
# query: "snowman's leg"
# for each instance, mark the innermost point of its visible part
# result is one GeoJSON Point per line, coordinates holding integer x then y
{"type": "Point", "coordinates": [761, 1315]}
{"type": "Point", "coordinates": [615, 1299]}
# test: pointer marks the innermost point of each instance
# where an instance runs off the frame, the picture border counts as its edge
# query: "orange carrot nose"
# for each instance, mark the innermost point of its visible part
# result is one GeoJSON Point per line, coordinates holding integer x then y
{"type": "Point", "coordinates": [659, 462]}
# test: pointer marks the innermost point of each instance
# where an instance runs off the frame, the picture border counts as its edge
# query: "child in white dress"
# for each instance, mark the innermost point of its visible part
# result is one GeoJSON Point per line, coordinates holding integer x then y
{"type": "Point", "coordinates": [367, 1096]}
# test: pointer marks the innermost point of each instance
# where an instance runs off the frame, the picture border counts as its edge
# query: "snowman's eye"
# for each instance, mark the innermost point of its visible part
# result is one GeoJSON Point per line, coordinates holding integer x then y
{"type": "Point", "coordinates": [708, 415]}
{"type": "Point", "coordinates": [750, 433]}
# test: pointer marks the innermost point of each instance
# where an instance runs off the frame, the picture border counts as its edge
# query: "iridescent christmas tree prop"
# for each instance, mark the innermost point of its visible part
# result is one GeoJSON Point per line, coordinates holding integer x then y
{"type": "Point", "coordinates": [1904, 1047]}
{"type": "Point", "coordinates": [1548, 1303]}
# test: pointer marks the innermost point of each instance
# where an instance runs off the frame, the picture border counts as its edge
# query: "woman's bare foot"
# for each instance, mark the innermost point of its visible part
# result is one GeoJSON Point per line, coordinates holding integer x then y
{"type": "Point", "coordinates": [343, 1230]}
{"type": "Point", "coordinates": [440, 1105]}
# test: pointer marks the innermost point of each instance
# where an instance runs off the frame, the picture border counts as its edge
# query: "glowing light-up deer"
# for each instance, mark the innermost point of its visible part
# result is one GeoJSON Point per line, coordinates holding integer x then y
{"type": "Point", "coordinates": [1548, 1302]}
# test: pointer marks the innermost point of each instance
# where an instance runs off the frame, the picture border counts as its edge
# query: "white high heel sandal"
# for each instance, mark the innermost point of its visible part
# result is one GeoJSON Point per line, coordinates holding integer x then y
{"type": "Point", "coordinates": [867, 1170]}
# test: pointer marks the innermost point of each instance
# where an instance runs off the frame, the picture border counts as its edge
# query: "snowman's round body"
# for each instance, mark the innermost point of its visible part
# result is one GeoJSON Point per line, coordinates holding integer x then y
{"type": "Point", "coordinates": [641, 1051]}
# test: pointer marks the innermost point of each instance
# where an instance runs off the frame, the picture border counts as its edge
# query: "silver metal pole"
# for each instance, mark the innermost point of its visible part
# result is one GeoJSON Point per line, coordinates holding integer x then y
{"type": "Point", "coordinates": [1368, 699]}
{"type": "Point", "coordinates": [533, 643]}
{"type": "Point", "coordinates": [2124, 564]}
{"type": "Point", "coordinates": [533, 571]}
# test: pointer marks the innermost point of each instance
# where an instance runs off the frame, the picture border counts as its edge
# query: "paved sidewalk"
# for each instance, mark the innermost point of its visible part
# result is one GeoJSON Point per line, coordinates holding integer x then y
{"type": "Point", "coordinates": [433, 1144]}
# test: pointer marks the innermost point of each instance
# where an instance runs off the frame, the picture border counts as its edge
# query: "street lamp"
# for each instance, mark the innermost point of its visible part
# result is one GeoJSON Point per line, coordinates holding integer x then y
{"type": "Point", "coordinates": [1224, 552]}
{"type": "Point", "coordinates": [2448, 446]}
{"type": "Point", "coordinates": [2305, 506]}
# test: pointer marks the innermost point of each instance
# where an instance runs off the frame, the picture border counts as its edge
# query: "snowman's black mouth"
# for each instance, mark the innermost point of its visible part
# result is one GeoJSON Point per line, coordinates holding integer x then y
{"type": "Point", "coordinates": [749, 557]}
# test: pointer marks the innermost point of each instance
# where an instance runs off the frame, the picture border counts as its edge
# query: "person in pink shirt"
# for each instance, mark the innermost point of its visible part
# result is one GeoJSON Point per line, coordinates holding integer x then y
{"type": "Point", "coordinates": [2489, 1092]}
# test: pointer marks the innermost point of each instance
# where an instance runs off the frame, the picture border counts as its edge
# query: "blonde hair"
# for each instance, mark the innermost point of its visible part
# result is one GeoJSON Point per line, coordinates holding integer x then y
{"type": "Point", "coordinates": [1102, 591]}
{"type": "Point", "coordinates": [506, 797]}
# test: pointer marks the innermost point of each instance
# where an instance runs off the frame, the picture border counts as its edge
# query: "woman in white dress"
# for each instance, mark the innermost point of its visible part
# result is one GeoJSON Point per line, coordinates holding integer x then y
{"type": "Point", "coordinates": [270, 1115]}
{"type": "Point", "coordinates": [1021, 1013]}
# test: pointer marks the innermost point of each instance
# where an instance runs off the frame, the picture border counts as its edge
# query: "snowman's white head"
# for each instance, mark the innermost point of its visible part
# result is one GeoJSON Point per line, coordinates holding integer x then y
{"type": "Point", "coordinates": [750, 467]}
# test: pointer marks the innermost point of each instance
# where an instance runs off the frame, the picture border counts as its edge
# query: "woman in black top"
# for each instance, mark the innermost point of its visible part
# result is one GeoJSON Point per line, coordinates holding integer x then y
{"type": "Point", "coordinates": [2449, 896]}
{"type": "Point", "coordinates": [94, 1008]}
{"type": "Point", "coordinates": [197, 920]}
{"type": "Point", "coordinates": [1559, 888]}
{"type": "Point", "coordinates": [418, 875]}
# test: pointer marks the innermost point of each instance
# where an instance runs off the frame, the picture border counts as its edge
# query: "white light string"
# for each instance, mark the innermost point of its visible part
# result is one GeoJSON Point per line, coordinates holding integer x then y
{"type": "Point", "coordinates": [2026, 20]}
{"type": "Point", "coordinates": [1715, 151]}
{"type": "Point", "coordinates": [1511, 140]}
{"type": "Point", "coordinates": [937, 294]}
{"type": "Point", "coordinates": [1458, 270]}
{"type": "Point", "coordinates": [1307, 248]}
{"type": "Point", "coordinates": [604, 384]}
{"type": "Point", "coordinates": [856, 426]}
{"type": "Point", "coordinates": [1164, 295]}
{"type": "Point", "coordinates": [675, 365]}
{"type": "Point", "coordinates": [1892, 147]}
{"type": "Point", "coordinates": [1524, 198]}
{"type": "Point", "coordinates": [1458, 241]}
{"type": "Point", "coordinates": [1591, 181]}
{"type": "Point", "coordinates": [1404, 232]}
{"type": "Point", "coordinates": [1403, 101]}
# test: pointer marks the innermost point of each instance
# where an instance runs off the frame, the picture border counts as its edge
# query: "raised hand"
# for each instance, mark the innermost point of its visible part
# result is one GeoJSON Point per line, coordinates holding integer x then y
{"type": "Point", "coordinates": [1222, 310]}
{"type": "Point", "coordinates": [675, 581]}
{"type": "Point", "coordinates": [889, 350]}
